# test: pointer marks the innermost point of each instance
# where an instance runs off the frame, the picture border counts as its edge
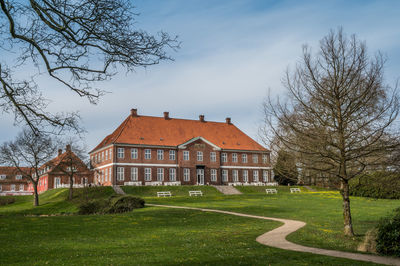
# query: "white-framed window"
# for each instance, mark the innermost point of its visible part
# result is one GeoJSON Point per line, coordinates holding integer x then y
{"type": "Point", "coordinates": [110, 153]}
{"type": "Point", "coordinates": [160, 174]}
{"type": "Point", "coordinates": [265, 175]}
{"type": "Point", "coordinates": [12, 187]}
{"type": "Point", "coordinates": [255, 175]}
{"type": "Point", "coordinates": [134, 174]}
{"type": "Point", "coordinates": [224, 157]}
{"type": "Point", "coordinates": [255, 158]}
{"type": "Point", "coordinates": [235, 175]}
{"type": "Point", "coordinates": [120, 152]}
{"type": "Point", "coordinates": [172, 174]}
{"type": "Point", "coordinates": [1, 187]}
{"type": "Point", "coordinates": [172, 155]}
{"type": "Point", "coordinates": [245, 175]}
{"type": "Point", "coordinates": [265, 158]}
{"type": "Point", "coordinates": [102, 156]}
{"type": "Point", "coordinates": [106, 154]}
{"type": "Point", "coordinates": [106, 175]}
{"type": "Point", "coordinates": [244, 158]}
{"type": "Point", "coordinates": [147, 154]}
{"type": "Point", "coordinates": [160, 155]}
{"type": "Point", "coordinates": [18, 177]}
{"type": "Point", "coordinates": [213, 175]}
{"type": "Point", "coordinates": [147, 174]}
{"type": "Point", "coordinates": [186, 155]}
{"type": "Point", "coordinates": [2, 177]}
{"type": "Point", "coordinates": [200, 156]}
{"type": "Point", "coordinates": [224, 175]}
{"type": "Point", "coordinates": [186, 174]}
{"type": "Point", "coordinates": [234, 158]}
{"type": "Point", "coordinates": [213, 156]}
{"type": "Point", "coordinates": [21, 187]}
{"type": "Point", "coordinates": [134, 153]}
{"type": "Point", "coordinates": [109, 174]}
{"type": "Point", "coordinates": [95, 158]}
{"type": "Point", "coordinates": [120, 173]}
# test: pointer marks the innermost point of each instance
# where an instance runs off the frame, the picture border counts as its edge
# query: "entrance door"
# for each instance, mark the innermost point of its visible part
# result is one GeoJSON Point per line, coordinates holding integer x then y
{"type": "Point", "coordinates": [57, 182]}
{"type": "Point", "coordinates": [200, 176]}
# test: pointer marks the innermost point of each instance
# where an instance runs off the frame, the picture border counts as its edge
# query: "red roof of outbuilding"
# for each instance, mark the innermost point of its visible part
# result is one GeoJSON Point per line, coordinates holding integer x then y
{"type": "Point", "coordinates": [158, 131]}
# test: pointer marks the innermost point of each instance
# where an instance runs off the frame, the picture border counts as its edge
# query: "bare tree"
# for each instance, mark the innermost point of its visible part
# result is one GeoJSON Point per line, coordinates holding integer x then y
{"type": "Point", "coordinates": [75, 42]}
{"type": "Point", "coordinates": [339, 114]}
{"type": "Point", "coordinates": [28, 153]}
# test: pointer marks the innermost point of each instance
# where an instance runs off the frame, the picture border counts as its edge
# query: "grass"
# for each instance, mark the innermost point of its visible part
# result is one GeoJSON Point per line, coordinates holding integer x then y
{"type": "Point", "coordinates": [161, 236]}
{"type": "Point", "coordinates": [151, 191]}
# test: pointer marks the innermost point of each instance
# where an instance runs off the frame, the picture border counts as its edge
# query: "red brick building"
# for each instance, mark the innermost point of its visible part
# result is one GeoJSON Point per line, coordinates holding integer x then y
{"type": "Point", "coordinates": [146, 150]}
{"type": "Point", "coordinates": [53, 174]}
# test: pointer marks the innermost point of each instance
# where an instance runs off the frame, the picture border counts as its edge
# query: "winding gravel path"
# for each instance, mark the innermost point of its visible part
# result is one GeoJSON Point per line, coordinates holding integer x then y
{"type": "Point", "coordinates": [277, 238]}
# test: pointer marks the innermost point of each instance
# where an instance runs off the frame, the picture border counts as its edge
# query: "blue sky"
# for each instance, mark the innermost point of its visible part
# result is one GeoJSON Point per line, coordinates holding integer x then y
{"type": "Point", "coordinates": [232, 53]}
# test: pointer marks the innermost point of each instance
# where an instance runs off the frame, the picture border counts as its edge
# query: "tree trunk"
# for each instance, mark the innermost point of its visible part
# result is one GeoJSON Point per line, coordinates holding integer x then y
{"type": "Point", "coordinates": [36, 195]}
{"type": "Point", "coordinates": [348, 224]}
{"type": "Point", "coordinates": [71, 187]}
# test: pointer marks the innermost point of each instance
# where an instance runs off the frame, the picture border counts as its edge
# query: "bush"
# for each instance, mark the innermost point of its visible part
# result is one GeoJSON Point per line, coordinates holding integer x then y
{"type": "Point", "coordinates": [93, 207]}
{"type": "Point", "coordinates": [115, 204]}
{"type": "Point", "coordinates": [6, 200]}
{"type": "Point", "coordinates": [380, 185]}
{"type": "Point", "coordinates": [388, 238]}
{"type": "Point", "coordinates": [125, 203]}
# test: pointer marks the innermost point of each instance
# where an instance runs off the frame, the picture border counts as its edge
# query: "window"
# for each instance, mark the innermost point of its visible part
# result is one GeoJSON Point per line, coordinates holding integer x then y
{"type": "Point", "coordinates": [224, 157]}
{"type": "Point", "coordinates": [213, 175]}
{"type": "Point", "coordinates": [172, 174]}
{"type": "Point", "coordinates": [18, 177]}
{"type": "Point", "coordinates": [235, 175]}
{"type": "Point", "coordinates": [255, 158]}
{"type": "Point", "coordinates": [106, 154]}
{"type": "Point", "coordinates": [102, 176]}
{"type": "Point", "coordinates": [147, 154]}
{"type": "Point", "coordinates": [120, 173]}
{"type": "Point", "coordinates": [110, 153]}
{"type": "Point", "coordinates": [109, 174]}
{"type": "Point", "coordinates": [21, 187]}
{"type": "Point", "coordinates": [134, 153]}
{"type": "Point", "coordinates": [160, 155]}
{"type": "Point", "coordinates": [2, 177]}
{"type": "Point", "coordinates": [213, 156]}
{"type": "Point", "coordinates": [120, 153]}
{"type": "Point", "coordinates": [1, 187]}
{"type": "Point", "coordinates": [12, 187]}
{"type": "Point", "coordinates": [172, 155]}
{"type": "Point", "coordinates": [160, 174]}
{"type": "Point", "coordinates": [96, 160]}
{"type": "Point", "coordinates": [224, 175]}
{"type": "Point", "coordinates": [186, 155]}
{"type": "Point", "coordinates": [134, 174]}
{"type": "Point", "coordinates": [244, 158]}
{"type": "Point", "coordinates": [265, 175]}
{"type": "Point", "coordinates": [265, 158]}
{"type": "Point", "coordinates": [255, 175]}
{"type": "Point", "coordinates": [245, 176]}
{"type": "Point", "coordinates": [234, 158]}
{"type": "Point", "coordinates": [102, 156]}
{"type": "Point", "coordinates": [186, 174]}
{"type": "Point", "coordinates": [106, 175]}
{"type": "Point", "coordinates": [147, 174]}
{"type": "Point", "coordinates": [200, 156]}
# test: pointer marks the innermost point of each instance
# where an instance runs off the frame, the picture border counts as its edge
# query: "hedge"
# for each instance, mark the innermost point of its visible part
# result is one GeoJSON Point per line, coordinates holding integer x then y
{"type": "Point", "coordinates": [382, 185]}
{"type": "Point", "coordinates": [388, 237]}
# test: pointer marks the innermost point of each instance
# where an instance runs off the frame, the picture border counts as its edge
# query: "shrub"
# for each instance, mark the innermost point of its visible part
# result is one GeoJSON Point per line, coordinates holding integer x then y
{"type": "Point", "coordinates": [125, 203]}
{"type": "Point", "coordinates": [6, 200]}
{"type": "Point", "coordinates": [382, 185]}
{"type": "Point", "coordinates": [388, 238]}
{"type": "Point", "coordinates": [93, 207]}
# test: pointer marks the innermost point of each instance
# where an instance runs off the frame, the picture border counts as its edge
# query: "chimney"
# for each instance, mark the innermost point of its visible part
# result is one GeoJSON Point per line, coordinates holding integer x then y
{"type": "Point", "coordinates": [134, 112]}
{"type": "Point", "coordinates": [228, 120]}
{"type": "Point", "coordinates": [59, 152]}
{"type": "Point", "coordinates": [166, 115]}
{"type": "Point", "coordinates": [201, 118]}
{"type": "Point", "coordinates": [68, 147]}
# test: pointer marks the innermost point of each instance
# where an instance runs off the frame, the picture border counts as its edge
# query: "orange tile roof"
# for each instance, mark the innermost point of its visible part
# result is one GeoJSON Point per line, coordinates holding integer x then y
{"type": "Point", "coordinates": [158, 131]}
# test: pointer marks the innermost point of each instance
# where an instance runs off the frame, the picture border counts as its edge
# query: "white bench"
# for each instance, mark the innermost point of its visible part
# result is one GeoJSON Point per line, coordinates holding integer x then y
{"type": "Point", "coordinates": [295, 190]}
{"type": "Point", "coordinates": [272, 184]}
{"type": "Point", "coordinates": [174, 183]}
{"type": "Point", "coordinates": [164, 194]}
{"type": "Point", "coordinates": [135, 183]}
{"type": "Point", "coordinates": [271, 191]}
{"type": "Point", "coordinates": [195, 193]}
{"type": "Point", "coordinates": [154, 183]}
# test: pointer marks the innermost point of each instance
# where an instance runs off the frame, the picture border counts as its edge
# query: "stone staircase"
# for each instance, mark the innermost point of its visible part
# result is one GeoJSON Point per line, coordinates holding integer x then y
{"type": "Point", "coordinates": [228, 190]}
{"type": "Point", "coordinates": [118, 190]}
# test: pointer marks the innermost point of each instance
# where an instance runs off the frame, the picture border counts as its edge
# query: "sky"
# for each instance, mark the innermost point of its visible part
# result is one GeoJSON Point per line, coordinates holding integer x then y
{"type": "Point", "coordinates": [232, 54]}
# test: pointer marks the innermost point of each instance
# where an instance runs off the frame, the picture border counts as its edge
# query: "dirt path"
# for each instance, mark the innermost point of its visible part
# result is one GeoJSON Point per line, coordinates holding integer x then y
{"type": "Point", "coordinates": [277, 238]}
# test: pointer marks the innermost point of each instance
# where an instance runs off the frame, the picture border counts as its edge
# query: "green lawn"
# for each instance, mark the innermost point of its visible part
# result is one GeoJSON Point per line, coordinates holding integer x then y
{"type": "Point", "coordinates": [161, 236]}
